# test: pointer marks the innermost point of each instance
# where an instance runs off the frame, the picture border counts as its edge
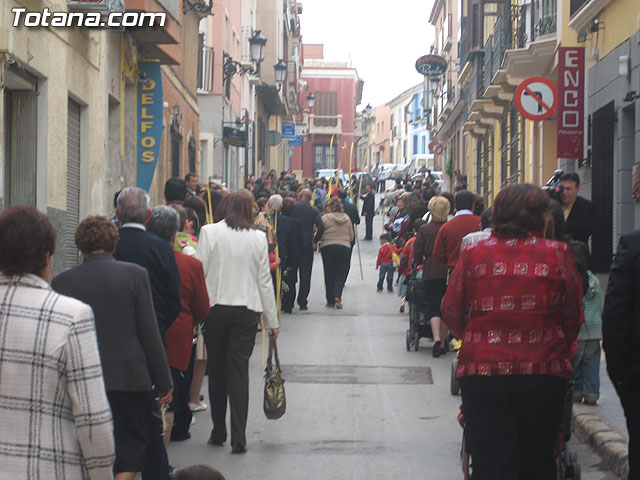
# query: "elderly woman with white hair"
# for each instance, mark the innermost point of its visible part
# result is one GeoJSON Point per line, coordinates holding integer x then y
{"type": "Point", "coordinates": [164, 223]}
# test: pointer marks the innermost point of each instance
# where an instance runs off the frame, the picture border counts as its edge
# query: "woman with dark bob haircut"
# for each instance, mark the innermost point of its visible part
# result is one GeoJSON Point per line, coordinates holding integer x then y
{"type": "Point", "coordinates": [515, 301]}
{"type": "Point", "coordinates": [235, 258]}
{"type": "Point", "coordinates": [130, 347]}
{"type": "Point", "coordinates": [47, 340]}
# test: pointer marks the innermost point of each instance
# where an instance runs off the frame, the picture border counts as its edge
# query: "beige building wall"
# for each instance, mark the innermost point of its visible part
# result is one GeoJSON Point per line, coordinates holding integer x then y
{"type": "Point", "coordinates": [67, 63]}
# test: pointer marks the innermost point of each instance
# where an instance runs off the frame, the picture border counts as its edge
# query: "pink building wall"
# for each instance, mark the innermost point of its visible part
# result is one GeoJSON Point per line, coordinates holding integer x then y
{"type": "Point", "coordinates": [346, 93]}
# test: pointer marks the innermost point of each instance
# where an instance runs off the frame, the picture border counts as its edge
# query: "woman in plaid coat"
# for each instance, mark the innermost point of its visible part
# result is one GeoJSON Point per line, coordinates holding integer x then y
{"type": "Point", "coordinates": [56, 421]}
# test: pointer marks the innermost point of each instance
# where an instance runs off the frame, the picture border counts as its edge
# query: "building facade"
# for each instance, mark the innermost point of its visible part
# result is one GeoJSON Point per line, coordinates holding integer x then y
{"type": "Point", "coordinates": [71, 100]}
{"type": "Point", "coordinates": [338, 90]}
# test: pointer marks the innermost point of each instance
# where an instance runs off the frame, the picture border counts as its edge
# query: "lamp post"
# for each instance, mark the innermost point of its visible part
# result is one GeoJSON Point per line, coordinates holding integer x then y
{"type": "Point", "coordinates": [280, 69]}
{"type": "Point", "coordinates": [311, 100]}
{"type": "Point", "coordinates": [256, 48]}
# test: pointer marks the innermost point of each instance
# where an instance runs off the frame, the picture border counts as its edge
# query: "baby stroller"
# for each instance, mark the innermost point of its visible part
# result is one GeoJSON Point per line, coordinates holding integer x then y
{"type": "Point", "coordinates": [566, 462]}
{"type": "Point", "coordinates": [419, 326]}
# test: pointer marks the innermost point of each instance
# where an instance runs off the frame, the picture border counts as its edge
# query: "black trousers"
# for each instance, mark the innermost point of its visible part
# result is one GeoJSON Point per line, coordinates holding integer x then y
{"type": "Point", "coordinates": [335, 259]}
{"type": "Point", "coordinates": [229, 335]}
{"type": "Point", "coordinates": [368, 220]}
{"type": "Point", "coordinates": [512, 425]}
{"type": "Point", "coordinates": [304, 268]}
{"type": "Point", "coordinates": [630, 399]}
{"type": "Point", "coordinates": [289, 297]}
{"type": "Point", "coordinates": [181, 397]}
{"type": "Point", "coordinates": [157, 464]}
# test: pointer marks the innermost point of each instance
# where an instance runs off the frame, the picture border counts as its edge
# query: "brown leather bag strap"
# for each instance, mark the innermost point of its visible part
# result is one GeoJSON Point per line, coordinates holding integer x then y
{"type": "Point", "coordinates": [273, 351]}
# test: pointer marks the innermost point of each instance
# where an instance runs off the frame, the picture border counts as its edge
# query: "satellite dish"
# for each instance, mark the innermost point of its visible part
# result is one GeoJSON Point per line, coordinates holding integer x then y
{"type": "Point", "coordinates": [273, 138]}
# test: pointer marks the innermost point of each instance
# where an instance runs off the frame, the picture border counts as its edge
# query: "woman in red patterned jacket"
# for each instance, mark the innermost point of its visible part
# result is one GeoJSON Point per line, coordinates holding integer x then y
{"type": "Point", "coordinates": [515, 301]}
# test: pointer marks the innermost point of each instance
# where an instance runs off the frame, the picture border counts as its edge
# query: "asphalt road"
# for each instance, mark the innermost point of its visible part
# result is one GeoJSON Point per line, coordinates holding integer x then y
{"type": "Point", "coordinates": [359, 406]}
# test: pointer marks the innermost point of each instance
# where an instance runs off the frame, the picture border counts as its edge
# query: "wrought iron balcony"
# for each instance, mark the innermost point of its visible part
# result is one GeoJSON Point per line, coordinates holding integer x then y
{"type": "Point", "coordinates": [544, 15]}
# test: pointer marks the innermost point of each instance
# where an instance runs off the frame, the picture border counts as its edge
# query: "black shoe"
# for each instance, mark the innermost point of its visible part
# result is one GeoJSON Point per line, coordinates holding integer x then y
{"type": "Point", "coordinates": [180, 436]}
{"type": "Point", "coordinates": [287, 311]}
{"type": "Point", "coordinates": [304, 307]}
{"type": "Point", "coordinates": [390, 290]}
{"type": "Point", "coordinates": [239, 448]}
{"type": "Point", "coordinates": [437, 351]}
{"type": "Point", "coordinates": [213, 441]}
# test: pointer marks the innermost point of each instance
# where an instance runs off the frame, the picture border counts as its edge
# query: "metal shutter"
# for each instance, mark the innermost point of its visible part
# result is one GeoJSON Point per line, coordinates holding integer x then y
{"type": "Point", "coordinates": [73, 184]}
{"type": "Point", "coordinates": [21, 162]}
{"type": "Point", "coordinates": [602, 187]}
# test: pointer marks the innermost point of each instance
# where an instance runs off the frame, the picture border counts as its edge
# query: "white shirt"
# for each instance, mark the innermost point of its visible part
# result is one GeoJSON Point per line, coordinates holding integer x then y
{"type": "Point", "coordinates": [139, 226]}
{"type": "Point", "coordinates": [464, 212]}
{"type": "Point", "coordinates": [236, 269]}
{"type": "Point", "coordinates": [474, 237]}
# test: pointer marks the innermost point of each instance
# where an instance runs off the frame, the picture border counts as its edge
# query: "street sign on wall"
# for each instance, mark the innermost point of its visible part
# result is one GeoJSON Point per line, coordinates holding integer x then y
{"type": "Point", "coordinates": [572, 84]}
{"type": "Point", "coordinates": [431, 65]}
{"type": "Point", "coordinates": [288, 130]}
{"type": "Point", "coordinates": [536, 98]}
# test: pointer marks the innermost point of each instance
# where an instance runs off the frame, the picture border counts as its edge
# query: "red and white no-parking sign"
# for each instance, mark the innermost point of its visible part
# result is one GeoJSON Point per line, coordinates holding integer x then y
{"type": "Point", "coordinates": [436, 147]}
{"type": "Point", "coordinates": [536, 98]}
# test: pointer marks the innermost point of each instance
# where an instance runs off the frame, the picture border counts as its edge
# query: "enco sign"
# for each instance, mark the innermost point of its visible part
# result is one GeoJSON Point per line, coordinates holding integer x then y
{"type": "Point", "coordinates": [572, 84]}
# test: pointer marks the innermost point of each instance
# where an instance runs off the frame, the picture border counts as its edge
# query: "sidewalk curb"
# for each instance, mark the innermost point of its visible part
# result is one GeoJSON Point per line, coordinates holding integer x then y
{"type": "Point", "coordinates": [610, 445]}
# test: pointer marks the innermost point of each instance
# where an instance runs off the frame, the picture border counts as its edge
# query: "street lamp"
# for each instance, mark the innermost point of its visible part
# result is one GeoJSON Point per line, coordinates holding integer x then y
{"type": "Point", "coordinates": [311, 100]}
{"type": "Point", "coordinates": [366, 112]}
{"type": "Point", "coordinates": [280, 72]}
{"type": "Point", "coordinates": [256, 48]}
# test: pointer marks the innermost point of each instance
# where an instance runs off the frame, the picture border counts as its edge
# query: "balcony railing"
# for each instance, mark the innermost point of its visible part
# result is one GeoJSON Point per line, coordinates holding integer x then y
{"type": "Point", "coordinates": [205, 69]}
{"type": "Point", "coordinates": [544, 14]}
{"type": "Point", "coordinates": [514, 20]}
{"type": "Point", "coordinates": [325, 124]}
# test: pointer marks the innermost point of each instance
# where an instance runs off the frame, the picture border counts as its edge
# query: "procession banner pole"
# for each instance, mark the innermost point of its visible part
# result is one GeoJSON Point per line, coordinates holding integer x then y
{"type": "Point", "coordinates": [209, 213]}
{"type": "Point", "coordinates": [278, 270]}
{"type": "Point", "coordinates": [357, 236]}
{"type": "Point", "coordinates": [332, 164]}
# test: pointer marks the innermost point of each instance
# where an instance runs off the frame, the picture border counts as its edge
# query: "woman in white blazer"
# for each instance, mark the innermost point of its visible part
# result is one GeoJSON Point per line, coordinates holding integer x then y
{"type": "Point", "coordinates": [235, 258]}
{"type": "Point", "coordinates": [55, 417]}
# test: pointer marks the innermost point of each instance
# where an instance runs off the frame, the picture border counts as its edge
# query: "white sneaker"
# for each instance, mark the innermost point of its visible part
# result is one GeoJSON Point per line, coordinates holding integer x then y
{"type": "Point", "coordinates": [198, 407]}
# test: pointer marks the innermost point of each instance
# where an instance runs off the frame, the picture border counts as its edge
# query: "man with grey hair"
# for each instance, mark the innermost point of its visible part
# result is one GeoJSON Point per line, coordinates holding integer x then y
{"type": "Point", "coordinates": [143, 248]}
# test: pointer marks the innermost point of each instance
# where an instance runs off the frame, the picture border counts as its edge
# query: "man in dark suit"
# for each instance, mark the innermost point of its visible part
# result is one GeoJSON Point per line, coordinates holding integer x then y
{"type": "Point", "coordinates": [621, 338]}
{"type": "Point", "coordinates": [309, 218]}
{"type": "Point", "coordinates": [136, 245]}
{"type": "Point", "coordinates": [368, 210]}
{"type": "Point", "coordinates": [578, 212]}
{"type": "Point", "coordinates": [294, 243]}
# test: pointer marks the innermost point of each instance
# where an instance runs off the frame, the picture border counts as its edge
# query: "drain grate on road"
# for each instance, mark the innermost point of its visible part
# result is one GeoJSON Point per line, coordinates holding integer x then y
{"type": "Point", "coordinates": [356, 374]}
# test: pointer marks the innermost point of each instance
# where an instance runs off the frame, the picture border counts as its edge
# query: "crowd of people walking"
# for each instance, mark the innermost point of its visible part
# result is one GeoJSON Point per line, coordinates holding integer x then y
{"type": "Point", "coordinates": [117, 347]}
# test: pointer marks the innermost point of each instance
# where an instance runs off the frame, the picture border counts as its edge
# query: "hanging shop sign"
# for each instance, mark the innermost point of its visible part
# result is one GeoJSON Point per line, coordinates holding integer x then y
{"type": "Point", "coordinates": [536, 98]}
{"type": "Point", "coordinates": [149, 121]}
{"type": "Point", "coordinates": [572, 94]}
{"type": "Point", "coordinates": [436, 147]}
{"type": "Point", "coordinates": [234, 136]}
{"type": "Point", "coordinates": [431, 65]}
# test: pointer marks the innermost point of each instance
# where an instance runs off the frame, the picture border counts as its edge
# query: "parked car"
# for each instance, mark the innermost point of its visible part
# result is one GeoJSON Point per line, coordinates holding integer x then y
{"type": "Point", "coordinates": [400, 171]}
{"type": "Point", "coordinates": [330, 173]}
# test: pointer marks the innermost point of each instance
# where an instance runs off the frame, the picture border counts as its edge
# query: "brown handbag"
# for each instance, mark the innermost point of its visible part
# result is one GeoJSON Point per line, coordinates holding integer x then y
{"type": "Point", "coordinates": [275, 402]}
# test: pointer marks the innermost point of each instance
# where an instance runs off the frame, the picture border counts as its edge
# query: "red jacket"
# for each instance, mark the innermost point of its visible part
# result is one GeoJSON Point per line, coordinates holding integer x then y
{"type": "Point", "coordinates": [385, 254]}
{"type": "Point", "coordinates": [516, 304]}
{"type": "Point", "coordinates": [195, 307]}
{"type": "Point", "coordinates": [447, 247]}
{"type": "Point", "coordinates": [406, 257]}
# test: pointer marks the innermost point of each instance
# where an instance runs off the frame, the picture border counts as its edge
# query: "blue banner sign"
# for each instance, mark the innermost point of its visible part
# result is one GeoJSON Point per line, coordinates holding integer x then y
{"type": "Point", "coordinates": [149, 121]}
{"type": "Point", "coordinates": [296, 141]}
{"type": "Point", "coordinates": [288, 130]}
